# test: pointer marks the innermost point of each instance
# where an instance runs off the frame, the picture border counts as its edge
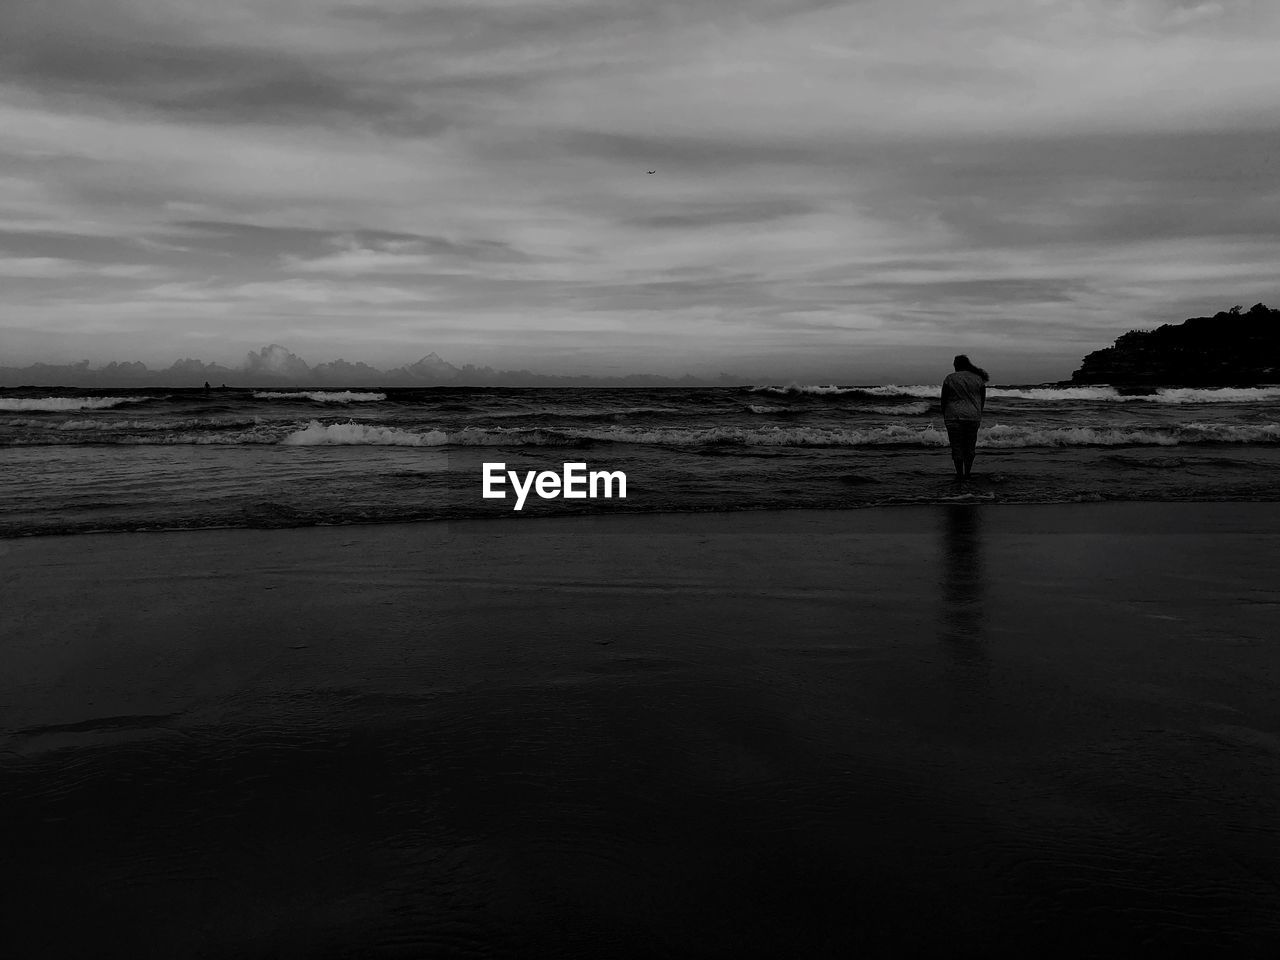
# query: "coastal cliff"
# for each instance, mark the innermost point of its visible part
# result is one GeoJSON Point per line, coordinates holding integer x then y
{"type": "Point", "coordinates": [1231, 348]}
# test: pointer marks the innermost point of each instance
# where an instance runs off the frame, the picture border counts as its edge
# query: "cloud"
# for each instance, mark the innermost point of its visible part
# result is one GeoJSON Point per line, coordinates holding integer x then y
{"type": "Point", "coordinates": [471, 176]}
{"type": "Point", "coordinates": [56, 268]}
{"type": "Point", "coordinates": [407, 255]}
{"type": "Point", "coordinates": [286, 293]}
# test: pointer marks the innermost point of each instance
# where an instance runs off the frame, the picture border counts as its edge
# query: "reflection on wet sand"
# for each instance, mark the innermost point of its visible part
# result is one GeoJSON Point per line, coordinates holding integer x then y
{"type": "Point", "coordinates": [963, 622]}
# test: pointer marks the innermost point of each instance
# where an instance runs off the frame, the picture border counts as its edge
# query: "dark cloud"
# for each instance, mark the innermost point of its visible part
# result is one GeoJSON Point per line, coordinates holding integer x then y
{"type": "Point", "coordinates": [67, 246]}
{"type": "Point", "coordinates": [450, 53]}
{"type": "Point", "coordinates": [167, 66]}
{"type": "Point", "coordinates": [211, 83]}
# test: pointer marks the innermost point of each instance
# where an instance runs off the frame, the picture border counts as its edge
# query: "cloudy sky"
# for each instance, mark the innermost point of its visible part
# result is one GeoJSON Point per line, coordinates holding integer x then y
{"type": "Point", "coordinates": [843, 190]}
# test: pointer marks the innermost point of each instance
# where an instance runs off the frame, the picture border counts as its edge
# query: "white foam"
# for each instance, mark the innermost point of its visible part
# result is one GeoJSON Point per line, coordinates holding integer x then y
{"type": "Point", "coordinates": [896, 390]}
{"type": "Point", "coordinates": [1105, 394]}
{"type": "Point", "coordinates": [901, 410]}
{"type": "Point", "coordinates": [996, 435]}
{"type": "Point", "coordinates": [1000, 435]}
{"type": "Point", "coordinates": [351, 433]}
{"type": "Point", "coordinates": [905, 434]}
{"type": "Point", "coordinates": [1058, 393]}
{"type": "Point", "coordinates": [67, 403]}
{"type": "Point", "coordinates": [775, 436]}
{"type": "Point", "coordinates": [933, 391]}
{"type": "Point", "coordinates": [1221, 395]}
{"type": "Point", "coordinates": [805, 388]}
{"type": "Point", "coordinates": [321, 396]}
{"type": "Point", "coordinates": [899, 432]}
{"type": "Point", "coordinates": [1174, 395]}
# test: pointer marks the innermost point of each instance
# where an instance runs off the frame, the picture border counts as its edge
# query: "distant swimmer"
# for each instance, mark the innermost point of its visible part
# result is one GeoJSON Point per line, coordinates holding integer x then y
{"type": "Point", "coordinates": [964, 395]}
{"type": "Point", "coordinates": [207, 388]}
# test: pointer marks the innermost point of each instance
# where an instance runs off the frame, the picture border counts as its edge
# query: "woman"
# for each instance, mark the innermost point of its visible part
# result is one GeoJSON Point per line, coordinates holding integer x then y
{"type": "Point", "coordinates": [964, 394]}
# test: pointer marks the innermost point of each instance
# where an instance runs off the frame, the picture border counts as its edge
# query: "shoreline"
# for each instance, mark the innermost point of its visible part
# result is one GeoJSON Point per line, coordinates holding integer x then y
{"type": "Point", "coordinates": [619, 513]}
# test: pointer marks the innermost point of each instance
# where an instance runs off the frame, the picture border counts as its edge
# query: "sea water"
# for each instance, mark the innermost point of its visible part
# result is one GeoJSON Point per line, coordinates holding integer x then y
{"type": "Point", "coordinates": [79, 460]}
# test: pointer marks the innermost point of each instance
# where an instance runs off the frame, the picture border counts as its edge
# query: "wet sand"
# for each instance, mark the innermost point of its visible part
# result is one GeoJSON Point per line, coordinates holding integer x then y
{"type": "Point", "coordinates": [950, 729]}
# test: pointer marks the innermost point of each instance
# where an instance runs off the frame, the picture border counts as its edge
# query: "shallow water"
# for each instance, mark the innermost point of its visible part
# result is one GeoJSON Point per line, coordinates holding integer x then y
{"type": "Point", "coordinates": [88, 460]}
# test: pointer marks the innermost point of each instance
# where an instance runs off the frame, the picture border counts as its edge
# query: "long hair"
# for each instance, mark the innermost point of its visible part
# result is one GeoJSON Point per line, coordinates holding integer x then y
{"type": "Point", "coordinates": [962, 362]}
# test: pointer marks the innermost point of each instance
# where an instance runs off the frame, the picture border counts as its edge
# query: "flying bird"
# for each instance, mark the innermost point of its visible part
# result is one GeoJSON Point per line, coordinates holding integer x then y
{"type": "Point", "coordinates": [653, 171]}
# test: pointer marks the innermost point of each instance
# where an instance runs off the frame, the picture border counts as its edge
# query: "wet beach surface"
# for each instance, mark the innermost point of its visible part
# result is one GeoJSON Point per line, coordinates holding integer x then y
{"type": "Point", "coordinates": [955, 729]}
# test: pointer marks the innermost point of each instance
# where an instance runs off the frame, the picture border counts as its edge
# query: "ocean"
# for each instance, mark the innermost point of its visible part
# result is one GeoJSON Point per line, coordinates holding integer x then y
{"type": "Point", "coordinates": [91, 460]}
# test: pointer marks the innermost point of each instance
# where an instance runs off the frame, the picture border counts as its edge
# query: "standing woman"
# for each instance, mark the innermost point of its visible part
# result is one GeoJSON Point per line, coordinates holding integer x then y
{"type": "Point", "coordinates": [964, 394]}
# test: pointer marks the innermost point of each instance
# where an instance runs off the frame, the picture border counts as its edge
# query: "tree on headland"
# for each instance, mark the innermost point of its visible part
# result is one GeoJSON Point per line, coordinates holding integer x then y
{"type": "Point", "coordinates": [1231, 348]}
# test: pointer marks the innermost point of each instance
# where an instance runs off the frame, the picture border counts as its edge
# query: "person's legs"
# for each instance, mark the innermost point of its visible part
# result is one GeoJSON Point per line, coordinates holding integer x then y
{"type": "Point", "coordinates": [970, 446]}
{"type": "Point", "coordinates": [956, 435]}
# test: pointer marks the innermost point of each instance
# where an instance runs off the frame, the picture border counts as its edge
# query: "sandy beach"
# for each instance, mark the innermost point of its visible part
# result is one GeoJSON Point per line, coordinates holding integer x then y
{"type": "Point", "coordinates": [948, 729]}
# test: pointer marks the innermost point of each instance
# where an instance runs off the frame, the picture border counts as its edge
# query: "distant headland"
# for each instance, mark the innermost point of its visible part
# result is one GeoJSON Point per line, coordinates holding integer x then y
{"type": "Point", "coordinates": [1232, 348]}
{"type": "Point", "coordinates": [275, 365]}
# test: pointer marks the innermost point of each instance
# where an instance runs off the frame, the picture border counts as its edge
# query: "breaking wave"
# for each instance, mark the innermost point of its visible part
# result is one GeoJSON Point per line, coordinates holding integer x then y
{"type": "Point", "coordinates": [894, 434]}
{"type": "Point", "coordinates": [316, 434]}
{"type": "Point", "coordinates": [1220, 395]}
{"type": "Point", "coordinates": [1170, 395]}
{"type": "Point", "coordinates": [321, 396]}
{"type": "Point", "coordinates": [57, 404]}
{"type": "Point", "coordinates": [900, 410]}
{"type": "Point", "coordinates": [810, 389]}
{"type": "Point", "coordinates": [898, 434]}
{"type": "Point", "coordinates": [996, 435]}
